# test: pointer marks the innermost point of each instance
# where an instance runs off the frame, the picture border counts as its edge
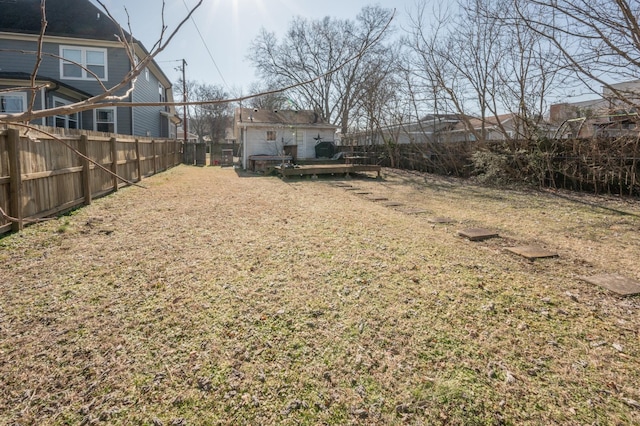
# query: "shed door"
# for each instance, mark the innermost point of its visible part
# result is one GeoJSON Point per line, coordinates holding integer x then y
{"type": "Point", "coordinates": [302, 149]}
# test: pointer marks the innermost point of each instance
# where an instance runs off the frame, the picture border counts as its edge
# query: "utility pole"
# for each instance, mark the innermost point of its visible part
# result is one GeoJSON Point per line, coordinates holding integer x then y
{"type": "Point", "coordinates": [184, 99]}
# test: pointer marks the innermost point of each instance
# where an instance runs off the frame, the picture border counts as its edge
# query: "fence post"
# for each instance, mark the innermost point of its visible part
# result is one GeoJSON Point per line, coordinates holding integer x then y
{"type": "Point", "coordinates": [138, 162]}
{"type": "Point", "coordinates": [86, 170]}
{"type": "Point", "coordinates": [15, 180]}
{"type": "Point", "coordinates": [114, 162]}
{"type": "Point", "coordinates": [153, 149]}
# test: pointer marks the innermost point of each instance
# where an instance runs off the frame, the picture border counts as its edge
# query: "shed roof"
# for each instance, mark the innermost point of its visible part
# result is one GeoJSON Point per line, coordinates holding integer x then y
{"type": "Point", "coordinates": [280, 117]}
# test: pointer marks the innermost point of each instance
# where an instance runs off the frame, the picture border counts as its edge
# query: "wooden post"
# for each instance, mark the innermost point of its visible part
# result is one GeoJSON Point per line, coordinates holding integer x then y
{"type": "Point", "coordinates": [86, 170]}
{"type": "Point", "coordinates": [15, 180]}
{"type": "Point", "coordinates": [138, 161]}
{"type": "Point", "coordinates": [114, 162]}
{"type": "Point", "coordinates": [153, 149]}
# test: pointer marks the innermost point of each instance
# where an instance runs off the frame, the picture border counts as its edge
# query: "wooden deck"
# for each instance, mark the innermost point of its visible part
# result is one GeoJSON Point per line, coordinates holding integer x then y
{"type": "Point", "coordinates": [327, 169]}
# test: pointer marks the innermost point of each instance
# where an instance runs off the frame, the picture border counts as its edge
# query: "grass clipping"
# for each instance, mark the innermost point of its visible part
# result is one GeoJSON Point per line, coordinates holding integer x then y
{"type": "Point", "coordinates": [215, 297]}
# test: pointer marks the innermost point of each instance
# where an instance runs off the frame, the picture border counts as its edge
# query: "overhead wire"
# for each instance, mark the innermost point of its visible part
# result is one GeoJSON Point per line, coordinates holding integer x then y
{"type": "Point", "coordinates": [207, 48]}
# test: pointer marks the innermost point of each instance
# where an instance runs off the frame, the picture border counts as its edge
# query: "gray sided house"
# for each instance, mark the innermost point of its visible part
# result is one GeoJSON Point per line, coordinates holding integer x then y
{"type": "Point", "coordinates": [295, 134]}
{"type": "Point", "coordinates": [77, 31]}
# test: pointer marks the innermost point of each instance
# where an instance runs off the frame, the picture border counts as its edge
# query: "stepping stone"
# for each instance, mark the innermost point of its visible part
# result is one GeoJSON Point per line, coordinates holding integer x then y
{"type": "Point", "coordinates": [377, 198]}
{"type": "Point", "coordinates": [616, 283]}
{"type": "Point", "coordinates": [363, 193]}
{"type": "Point", "coordinates": [393, 204]}
{"type": "Point", "coordinates": [342, 185]}
{"type": "Point", "coordinates": [414, 211]}
{"type": "Point", "coordinates": [477, 234]}
{"type": "Point", "coordinates": [440, 220]}
{"type": "Point", "coordinates": [351, 189]}
{"type": "Point", "coordinates": [532, 252]}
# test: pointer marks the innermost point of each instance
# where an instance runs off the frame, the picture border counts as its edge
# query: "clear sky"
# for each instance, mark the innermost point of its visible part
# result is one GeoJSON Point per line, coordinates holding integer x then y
{"type": "Point", "coordinates": [222, 31]}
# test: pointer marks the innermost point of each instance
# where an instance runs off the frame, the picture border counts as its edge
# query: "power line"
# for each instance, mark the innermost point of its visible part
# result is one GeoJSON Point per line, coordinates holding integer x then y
{"type": "Point", "coordinates": [207, 47]}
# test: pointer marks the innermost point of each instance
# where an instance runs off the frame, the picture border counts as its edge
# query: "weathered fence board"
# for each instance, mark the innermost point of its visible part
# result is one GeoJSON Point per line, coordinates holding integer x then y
{"type": "Point", "coordinates": [41, 177]}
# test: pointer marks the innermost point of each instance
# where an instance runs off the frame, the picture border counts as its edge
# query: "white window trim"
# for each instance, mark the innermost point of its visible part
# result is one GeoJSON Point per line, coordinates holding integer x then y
{"type": "Point", "coordinates": [65, 116]}
{"type": "Point", "coordinates": [162, 92]}
{"type": "Point", "coordinates": [22, 95]}
{"type": "Point", "coordinates": [85, 74]}
{"type": "Point", "coordinates": [115, 118]}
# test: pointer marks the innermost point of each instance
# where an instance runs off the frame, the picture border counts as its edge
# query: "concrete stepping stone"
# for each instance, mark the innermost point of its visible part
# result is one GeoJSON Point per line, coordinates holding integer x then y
{"type": "Point", "coordinates": [351, 189]}
{"type": "Point", "coordinates": [414, 211]}
{"type": "Point", "coordinates": [440, 220]}
{"type": "Point", "coordinates": [342, 185]}
{"type": "Point", "coordinates": [477, 234]}
{"type": "Point", "coordinates": [393, 204]}
{"type": "Point", "coordinates": [363, 193]}
{"type": "Point", "coordinates": [377, 198]}
{"type": "Point", "coordinates": [532, 252]}
{"type": "Point", "coordinates": [616, 283]}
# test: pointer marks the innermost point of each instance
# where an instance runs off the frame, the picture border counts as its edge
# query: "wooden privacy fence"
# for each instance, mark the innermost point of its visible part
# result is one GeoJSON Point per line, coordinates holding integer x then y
{"type": "Point", "coordinates": [598, 165]}
{"type": "Point", "coordinates": [41, 177]}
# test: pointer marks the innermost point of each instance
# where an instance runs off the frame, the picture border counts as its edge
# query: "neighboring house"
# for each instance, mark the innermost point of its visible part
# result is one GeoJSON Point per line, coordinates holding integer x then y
{"type": "Point", "coordinates": [280, 133]}
{"type": "Point", "coordinates": [445, 128]}
{"type": "Point", "coordinates": [77, 31]}
{"type": "Point", "coordinates": [508, 126]}
{"type": "Point", "coordinates": [431, 128]}
{"type": "Point", "coordinates": [607, 116]}
{"type": "Point", "coordinates": [191, 137]}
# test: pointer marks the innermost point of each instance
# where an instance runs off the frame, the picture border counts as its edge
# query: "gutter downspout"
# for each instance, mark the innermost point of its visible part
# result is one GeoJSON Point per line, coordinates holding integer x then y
{"type": "Point", "coordinates": [43, 102]}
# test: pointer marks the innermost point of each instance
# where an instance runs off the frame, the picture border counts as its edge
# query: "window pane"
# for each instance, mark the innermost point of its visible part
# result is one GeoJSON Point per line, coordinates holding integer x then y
{"type": "Point", "coordinates": [95, 58]}
{"type": "Point", "coordinates": [72, 55]}
{"type": "Point", "coordinates": [73, 121]}
{"type": "Point", "coordinates": [11, 104]}
{"type": "Point", "coordinates": [104, 115]}
{"type": "Point", "coordinates": [97, 70]}
{"type": "Point", "coordinates": [71, 70]}
{"type": "Point", "coordinates": [105, 127]}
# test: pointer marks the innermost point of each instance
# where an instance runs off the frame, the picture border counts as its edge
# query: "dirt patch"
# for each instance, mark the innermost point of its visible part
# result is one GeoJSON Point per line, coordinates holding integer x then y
{"type": "Point", "coordinates": [214, 297]}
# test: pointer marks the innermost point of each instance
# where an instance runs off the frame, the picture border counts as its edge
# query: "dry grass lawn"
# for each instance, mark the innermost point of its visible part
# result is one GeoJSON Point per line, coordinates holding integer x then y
{"type": "Point", "coordinates": [214, 297]}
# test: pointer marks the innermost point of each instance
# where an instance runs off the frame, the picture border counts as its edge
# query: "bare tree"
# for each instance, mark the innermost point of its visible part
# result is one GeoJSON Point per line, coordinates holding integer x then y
{"type": "Point", "coordinates": [209, 113]}
{"type": "Point", "coordinates": [444, 72]}
{"type": "Point", "coordinates": [272, 101]}
{"type": "Point", "coordinates": [599, 39]}
{"type": "Point", "coordinates": [313, 48]}
{"type": "Point", "coordinates": [485, 62]}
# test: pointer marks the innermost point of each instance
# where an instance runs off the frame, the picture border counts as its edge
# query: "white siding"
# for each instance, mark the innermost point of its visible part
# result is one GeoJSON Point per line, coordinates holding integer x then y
{"type": "Point", "coordinates": [256, 141]}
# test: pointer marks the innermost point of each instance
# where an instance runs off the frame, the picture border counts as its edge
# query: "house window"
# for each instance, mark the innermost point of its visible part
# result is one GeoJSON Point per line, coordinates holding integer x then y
{"type": "Point", "coordinates": [69, 121]}
{"type": "Point", "coordinates": [161, 92]}
{"type": "Point", "coordinates": [271, 135]}
{"type": "Point", "coordinates": [105, 120]}
{"type": "Point", "coordinates": [12, 102]}
{"type": "Point", "coordinates": [78, 63]}
{"type": "Point", "coordinates": [146, 74]}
